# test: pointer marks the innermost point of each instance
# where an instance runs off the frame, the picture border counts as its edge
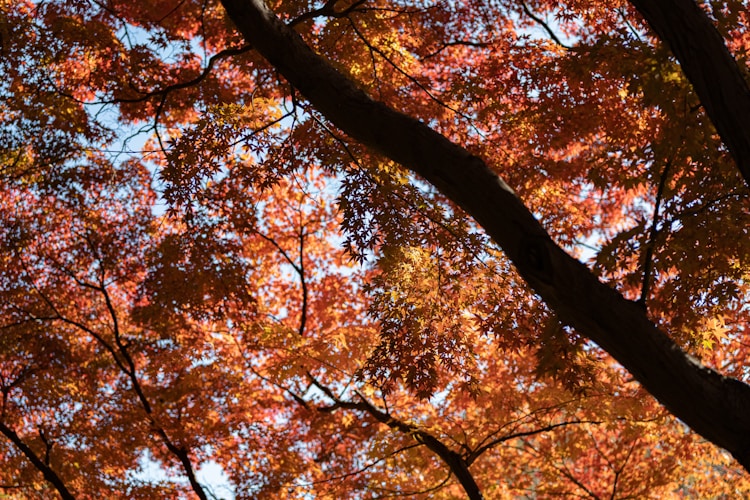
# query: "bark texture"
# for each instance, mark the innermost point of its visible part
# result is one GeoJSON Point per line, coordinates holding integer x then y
{"type": "Point", "coordinates": [715, 406]}
{"type": "Point", "coordinates": [711, 69]}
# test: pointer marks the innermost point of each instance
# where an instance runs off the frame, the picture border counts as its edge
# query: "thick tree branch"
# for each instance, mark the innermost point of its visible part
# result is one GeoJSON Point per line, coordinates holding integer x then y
{"type": "Point", "coordinates": [49, 474]}
{"type": "Point", "coordinates": [710, 67]}
{"type": "Point", "coordinates": [455, 462]}
{"type": "Point", "coordinates": [715, 406]}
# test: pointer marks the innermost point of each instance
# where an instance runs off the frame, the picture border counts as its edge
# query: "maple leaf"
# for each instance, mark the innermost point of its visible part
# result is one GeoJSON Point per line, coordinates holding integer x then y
{"type": "Point", "coordinates": [301, 266]}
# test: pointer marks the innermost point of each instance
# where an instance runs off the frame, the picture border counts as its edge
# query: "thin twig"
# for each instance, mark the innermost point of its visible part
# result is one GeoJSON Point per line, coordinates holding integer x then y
{"type": "Point", "coordinates": [649, 255]}
{"type": "Point", "coordinates": [544, 25]}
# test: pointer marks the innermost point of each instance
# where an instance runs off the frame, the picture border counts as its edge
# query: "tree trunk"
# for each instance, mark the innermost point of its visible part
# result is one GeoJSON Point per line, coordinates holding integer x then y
{"type": "Point", "coordinates": [709, 66]}
{"type": "Point", "coordinates": [716, 407]}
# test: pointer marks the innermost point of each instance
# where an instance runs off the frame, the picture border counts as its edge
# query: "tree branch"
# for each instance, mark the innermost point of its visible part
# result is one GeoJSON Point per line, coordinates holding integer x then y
{"type": "Point", "coordinates": [452, 459]}
{"type": "Point", "coordinates": [49, 474]}
{"type": "Point", "coordinates": [180, 452]}
{"type": "Point", "coordinates": [710, 67]}
{"type": "Point", "coordinates": [649, 255]}
{"type": "Point", "coordinates": [182, 85]}
{"type": "Point", "coordinates": [477, 452]}
{"type": "Point", "coordinates": [715, 406]}
{"type": "Point", "coordinates": [327, 10]}
{"type": "Point", "coordinates": [544, 25]}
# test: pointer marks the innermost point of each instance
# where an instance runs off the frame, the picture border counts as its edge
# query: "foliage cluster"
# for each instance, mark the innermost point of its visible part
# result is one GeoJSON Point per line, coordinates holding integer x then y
{"type": "Point", "coordinates": [197, 267]}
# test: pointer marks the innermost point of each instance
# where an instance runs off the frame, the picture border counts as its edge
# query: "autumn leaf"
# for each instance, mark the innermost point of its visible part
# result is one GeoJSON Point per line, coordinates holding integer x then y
{"type": "Point", "coordinates": [224, 250]}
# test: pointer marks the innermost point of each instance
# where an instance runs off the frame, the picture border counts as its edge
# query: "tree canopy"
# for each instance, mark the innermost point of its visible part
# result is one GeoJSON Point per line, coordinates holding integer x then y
{"type": "Point", "coordinates": [374, 248]}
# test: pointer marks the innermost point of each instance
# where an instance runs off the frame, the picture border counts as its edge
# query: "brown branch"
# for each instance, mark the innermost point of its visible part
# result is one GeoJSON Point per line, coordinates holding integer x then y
{"type": "Point", "coordinates": [299, 268]}
{"type": "Point", "coordinates": [124, 361]}
{"type": "Point", "coordinates": [182, 85]}
{"type": "Point", "coordinates": [365, 467]}
{"type": "Point", "coordinates": [249, 366]}
{"type": "Point", "coordinates": [303, 281]}
{"type": "Point", "coordinates": [710, 67]}
{"type": "Point", "coordinates": [515, 435]}
{"type": "Point", "coordinates": [396, 493]}
{"type": "Point", "coordinates": [327, 10]}
{"type": "Point", "coordinates": [568, 287]}
{"type": "Point", "coordinates": [455, 43]}
{"type": "Point", "coordinates": [649, 254]}
{"type": "Point", "coordinates": [619, 470]}
{"type": "Point", "coordinates": [455, 462]}
{"type": "Point", "coordinates": [49, 474]}
{"type": "Point", "coordinates": [47, 444]}
{"type": "Point", "coordinates": [544, 25]}
{"type": "Point", "coordinates": [569, 475]}
{"type": "Point", "coordinates": [411, 78]}
{"type": "Point", "coordinates": [179, 452]}
{"type": "Point", "coordinates": [695, 211]}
